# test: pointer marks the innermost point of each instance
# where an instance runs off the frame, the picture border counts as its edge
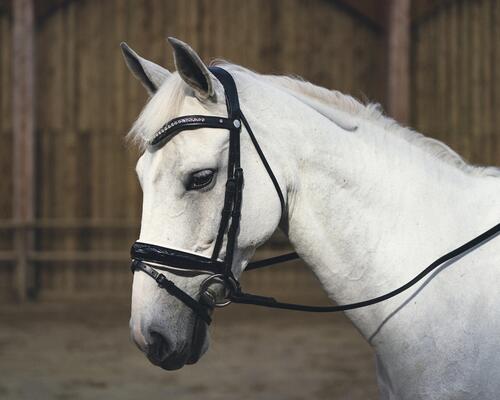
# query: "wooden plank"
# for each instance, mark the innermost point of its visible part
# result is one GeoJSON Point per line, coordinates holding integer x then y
{"type": "Point", "coordinates": [85, 84]}
{"type": "Point", "coordinates": [495, 86]}
{"type": "Point", "coordinates": [429, 79]}
{"type": "Point", "coordinates": [376, 12]}
{"type": "Point", "coordinates": [421, 9]}
{"type": "Point", "coordinates": [56, 85]}
{"type": "Point", "coordinates": [441, 94]}
{"type": "Point", "coordinates": [452, 71]}
{"type": "Point", "coordinates": [63, 223]}
{"type": "Point", "coordinates": [70, 145]}
{"type": "Point", "coordinates": [8, 256]}
{"type": "Point", "coordinates": [474, 85]}
{"type": "Point", "coordinates": [463, 141]}
{"type": "Point", "coordinates": [136, 96]}
{"type": "Point", "coordinates": [23, 116]}
{"type": "Point", "coordinates": [45, 147]}
{"type": "Point", "coordinates": [373, 11]}
{"type": "Point", "coordinates": [489, 67]}
{"type": "Point", "coordinates": [47, 8]}
{"type": "Point", "coordinates": [7, 272]}
{"type": "Point", "coordinates": [5, 7]}
{"type": "Point", "coordinates": [484, 89]}
{"type": "Point", "coordinates": [89, 294]}
{"type": "Point", "coordinates": [71, 257]}
{"type": "Point", "coordinates": [119, 123]}
{"type": "Point", "coordinates": [398, 54]}
{"type": "Point", "coordinates": [460, 82]}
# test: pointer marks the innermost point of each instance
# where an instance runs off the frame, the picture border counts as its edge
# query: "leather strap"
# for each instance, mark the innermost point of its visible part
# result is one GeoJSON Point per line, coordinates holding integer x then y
{"type": "Point", "coordinates": [192, 262]}
{"type": "Point", "coordinates": [187, 123]}
{"type": "Point", "coordinates": [174, 258]}
{"type": "Point", "coordinates": [266, 164]}
{"type": "Point", "coordinates": [230, 91]}
{"type": "Point", "coordinates": [163, 282]}
{"type": "Point", "coordinates": [246, 298]}
{"type": "Point", "coordinates": [271, 261]}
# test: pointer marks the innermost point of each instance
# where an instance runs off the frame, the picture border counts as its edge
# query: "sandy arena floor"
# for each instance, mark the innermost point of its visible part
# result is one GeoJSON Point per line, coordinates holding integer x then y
{"type": "Point", "coordinates": [50, 351]}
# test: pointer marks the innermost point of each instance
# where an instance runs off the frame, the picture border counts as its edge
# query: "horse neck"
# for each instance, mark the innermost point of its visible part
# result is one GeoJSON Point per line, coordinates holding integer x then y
{"type": "Point", "coordinates": [368, 209]}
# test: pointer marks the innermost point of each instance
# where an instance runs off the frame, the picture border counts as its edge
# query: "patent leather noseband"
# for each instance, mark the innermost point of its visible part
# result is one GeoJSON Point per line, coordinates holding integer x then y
{"type": "Point", "coordinates": [150, 258]}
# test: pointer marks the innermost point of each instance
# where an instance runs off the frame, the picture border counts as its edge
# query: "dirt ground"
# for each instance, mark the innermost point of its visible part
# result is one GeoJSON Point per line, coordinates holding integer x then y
{"type": "Point", "coordinates": [83, 351]}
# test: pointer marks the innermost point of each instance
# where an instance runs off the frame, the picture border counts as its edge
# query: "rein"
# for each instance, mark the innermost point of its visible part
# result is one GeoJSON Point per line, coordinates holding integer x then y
{"type": "Point", "coordinates": [149, 258]}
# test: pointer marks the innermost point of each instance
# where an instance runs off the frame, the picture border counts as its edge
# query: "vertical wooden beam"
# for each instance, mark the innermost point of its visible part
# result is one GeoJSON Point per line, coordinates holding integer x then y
{"type": "Point", "coordinates": [398, 63]}
{"type": "Point", "coordinates": [23, 119]}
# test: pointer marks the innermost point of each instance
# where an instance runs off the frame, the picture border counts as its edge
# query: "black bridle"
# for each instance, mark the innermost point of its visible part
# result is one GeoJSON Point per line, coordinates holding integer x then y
{"type": "Point", "coordinates": [149, 258]}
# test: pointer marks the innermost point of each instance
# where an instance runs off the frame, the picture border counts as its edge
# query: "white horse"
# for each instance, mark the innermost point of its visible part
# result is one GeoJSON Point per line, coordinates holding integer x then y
{"type": "Point", "coordinates": [369, 205]}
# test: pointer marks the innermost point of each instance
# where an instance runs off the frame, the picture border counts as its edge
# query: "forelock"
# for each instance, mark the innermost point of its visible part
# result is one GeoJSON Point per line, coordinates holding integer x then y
{"type": "Point", "coordinates": [162, 107]}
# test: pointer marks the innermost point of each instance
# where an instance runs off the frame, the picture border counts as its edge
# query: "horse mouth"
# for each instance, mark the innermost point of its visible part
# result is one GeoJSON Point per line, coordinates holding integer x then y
{"type": "Point", "coordinates": [172, 364]}
{"type": "Point", "coordinates": [191, 353]}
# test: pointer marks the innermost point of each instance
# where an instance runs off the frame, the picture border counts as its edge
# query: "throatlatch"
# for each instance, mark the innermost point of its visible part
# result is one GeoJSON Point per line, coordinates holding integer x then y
{"type": "Point", "coordinates": [149, 258]}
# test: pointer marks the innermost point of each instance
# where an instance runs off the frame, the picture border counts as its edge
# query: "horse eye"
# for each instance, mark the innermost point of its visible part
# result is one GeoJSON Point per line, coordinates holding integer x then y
{"type": "Point", "coordinates": [200, 179]}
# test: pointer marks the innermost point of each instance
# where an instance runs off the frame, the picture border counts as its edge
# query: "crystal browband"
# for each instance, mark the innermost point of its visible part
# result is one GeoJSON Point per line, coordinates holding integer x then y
{"type": "Point", "coordinates": [189, 123]}
{"type": "Point", "coordinates": [176, 122]}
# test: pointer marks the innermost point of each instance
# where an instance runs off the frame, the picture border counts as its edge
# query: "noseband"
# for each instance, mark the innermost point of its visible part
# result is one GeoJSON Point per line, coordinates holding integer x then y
{"type": "Point", "coordinates": [150, 258]}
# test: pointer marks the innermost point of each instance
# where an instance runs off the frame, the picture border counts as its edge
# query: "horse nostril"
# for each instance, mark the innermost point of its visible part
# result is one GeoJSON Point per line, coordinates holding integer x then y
{"type": "Point", "coordinates": [159, 348]}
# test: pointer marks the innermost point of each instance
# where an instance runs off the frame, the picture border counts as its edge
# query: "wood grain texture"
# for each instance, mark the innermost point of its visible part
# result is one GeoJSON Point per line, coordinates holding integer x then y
{"type": "Point", "coordinates": [398, 64]}
{"type": "Point", "coordinates": [6, 242]}
{"type": "Point", "coordinates": [455, 55]}
{"type": "Point", "coordinates": [23, 130]}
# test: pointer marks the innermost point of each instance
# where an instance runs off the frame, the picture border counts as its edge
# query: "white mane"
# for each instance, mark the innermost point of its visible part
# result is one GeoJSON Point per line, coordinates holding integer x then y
{"type": "Point", "coordinates": [164, 105]}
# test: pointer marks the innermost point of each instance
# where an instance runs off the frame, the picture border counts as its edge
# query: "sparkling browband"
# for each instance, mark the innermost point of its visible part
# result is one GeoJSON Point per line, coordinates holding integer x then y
{"type": "Point", "coordinates": [188, 123]}
{"type": "Point", "coordinates": [176, 122]}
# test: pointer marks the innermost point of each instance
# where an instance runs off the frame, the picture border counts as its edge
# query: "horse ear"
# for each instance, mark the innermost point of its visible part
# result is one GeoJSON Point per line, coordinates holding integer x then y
{"type": "Point", "coordinates": [151, 75]}
{"type": "Point", "coordinates": [192, 70]}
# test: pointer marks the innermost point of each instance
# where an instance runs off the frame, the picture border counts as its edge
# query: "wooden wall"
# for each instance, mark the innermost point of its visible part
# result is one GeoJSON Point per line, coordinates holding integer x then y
{"type": "Point", "coordinates": [87, 195]}
{"type": "Point", "coordinates": [456, 78]}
